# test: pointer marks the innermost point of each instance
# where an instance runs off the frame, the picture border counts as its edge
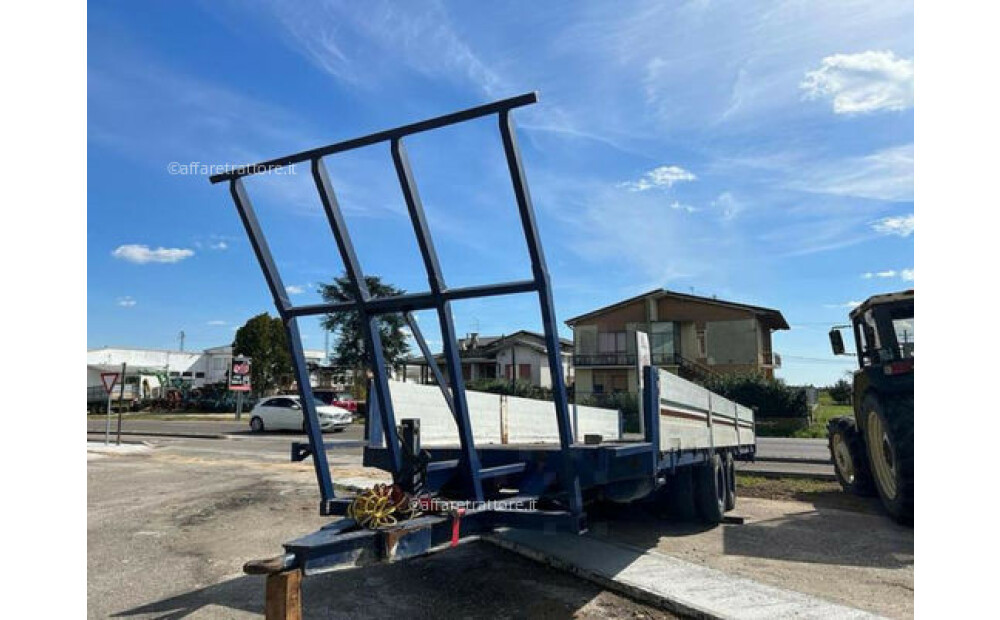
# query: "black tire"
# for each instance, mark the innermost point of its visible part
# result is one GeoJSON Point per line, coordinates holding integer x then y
{"type": "Point", "coordinates": [710, 490]}
{"type": "Point", "coordinates": [680, 496]}
{"type": "Point", "coordinates": [730, 464]}
{"type": "Point", "coordinates": [854, 475]}
{"type": "Point", "coordinates": [256, 424]}
{"type": "Point", "coordinates": [889, 439]}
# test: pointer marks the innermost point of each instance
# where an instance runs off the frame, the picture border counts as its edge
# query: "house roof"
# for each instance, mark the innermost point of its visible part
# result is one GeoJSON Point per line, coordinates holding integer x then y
{"type": "Point", "coordinates": [769, 316]}
{"type": "Point", "coordinates": [488, 345]}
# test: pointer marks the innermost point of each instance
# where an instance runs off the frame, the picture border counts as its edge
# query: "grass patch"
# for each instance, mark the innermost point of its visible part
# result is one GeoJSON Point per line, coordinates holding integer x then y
{"type": "Point", "coordinates": [816, 429]}
{"type": "Point", "coordinates": [823, 413]}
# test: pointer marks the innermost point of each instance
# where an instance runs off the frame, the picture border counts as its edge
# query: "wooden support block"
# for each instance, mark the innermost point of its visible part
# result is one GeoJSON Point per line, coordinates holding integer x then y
{"type": "Point", "coordinates": [283, 596]}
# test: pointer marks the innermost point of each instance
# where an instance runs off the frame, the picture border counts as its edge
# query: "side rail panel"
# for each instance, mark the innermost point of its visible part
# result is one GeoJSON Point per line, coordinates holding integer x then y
{"type": "Point", "coordinates": [495, 419]}
{"type": "Point", "coordinates": [692, 417]}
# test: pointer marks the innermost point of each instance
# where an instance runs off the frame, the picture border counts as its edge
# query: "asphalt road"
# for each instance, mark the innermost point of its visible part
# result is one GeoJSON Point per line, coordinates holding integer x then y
{"type": "Point", "coordinates": [768, 448]}
{"type": "Point", "coordinates": [789, 449]}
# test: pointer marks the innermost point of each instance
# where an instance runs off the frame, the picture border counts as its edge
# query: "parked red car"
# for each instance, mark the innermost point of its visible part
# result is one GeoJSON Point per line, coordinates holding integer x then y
{"type": "Point", "coordinates": [338, 399]}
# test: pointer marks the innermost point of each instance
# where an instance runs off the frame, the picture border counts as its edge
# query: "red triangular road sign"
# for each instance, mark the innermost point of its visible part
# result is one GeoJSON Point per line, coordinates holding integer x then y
{"type": "Point", "coordinates": [109, 379]}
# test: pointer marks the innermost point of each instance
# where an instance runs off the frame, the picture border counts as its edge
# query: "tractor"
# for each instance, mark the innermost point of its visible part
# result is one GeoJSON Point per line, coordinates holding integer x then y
{"type": "Point", "coordinates": [872, 452]}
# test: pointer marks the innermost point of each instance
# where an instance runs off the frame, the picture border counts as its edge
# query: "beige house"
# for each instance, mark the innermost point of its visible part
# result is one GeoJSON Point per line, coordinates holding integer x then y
{"type": "Point", "coordinates": [688, 335]}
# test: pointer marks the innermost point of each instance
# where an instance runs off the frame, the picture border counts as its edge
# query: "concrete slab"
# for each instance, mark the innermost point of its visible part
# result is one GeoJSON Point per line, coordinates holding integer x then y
{"type": "Point", "coordinates": [675, 584]}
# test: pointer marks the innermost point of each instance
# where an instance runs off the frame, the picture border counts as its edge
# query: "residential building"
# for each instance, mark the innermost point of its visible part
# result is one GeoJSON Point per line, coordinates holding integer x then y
{"type": "Point", "coordinates": [522, 354]}
{"type": "Point", "coordinates": [689, 335]}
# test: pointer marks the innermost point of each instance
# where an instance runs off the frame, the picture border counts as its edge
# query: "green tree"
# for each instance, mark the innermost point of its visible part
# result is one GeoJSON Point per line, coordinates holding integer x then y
{"type": "Point", "coordinates": [263, 339]}
{"type": "Point", "coordinates": [349, 346]}
{"type": "Point", "coordinates": [840, 391]}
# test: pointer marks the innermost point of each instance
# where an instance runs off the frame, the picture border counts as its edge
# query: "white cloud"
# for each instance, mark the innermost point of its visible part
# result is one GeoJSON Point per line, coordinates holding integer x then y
{"type": "Point", "coordinates": [295, 289]}
{"type": "Point", "coordinates": [677, 206]}
{"type": "Point", "coordinates": [343, 38]}
{"type": "Point", "coordinates": [142, 254]}
{"type": "Point", "coordinates": [846, 304]}
{"type": "Point", "coordinates": [899, 225]}
{"type": "Point", "coordinates": [221, 245]}
{"type": "Point", "coordinates": [903, 274]}
{"type": "Point", "coordinates": [861, 83]}
{"type": "Point", "coordinates": [216, 323]}
{"type": "Point", "coordinates": [883, 175]}
{"type": "Point", "coordinates": [663, 176]}
{"type": "Point", "coordinates": [729, 205]}
{"type": "Point", "coordinates": [126, 301]}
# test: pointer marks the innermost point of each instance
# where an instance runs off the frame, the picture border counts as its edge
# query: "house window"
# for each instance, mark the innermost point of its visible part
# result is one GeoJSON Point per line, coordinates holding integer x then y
{"type": "Point", "coordinates": [611, 342]}
{"type": "Point", "coordinates": [199, 375]}
{"type": "Point", "coordinates": [523, 372]}
{"type": "Point", "coordinates": [661, 341]}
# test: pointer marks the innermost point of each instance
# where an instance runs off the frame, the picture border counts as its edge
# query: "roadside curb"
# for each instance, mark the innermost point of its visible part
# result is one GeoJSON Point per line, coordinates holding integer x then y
{"type": "Point", "coordinates": [162, 434]}
{"type": "Point", "coordinates": [786, 474]}
{"type": "Point", "coordinates": [775, 459]}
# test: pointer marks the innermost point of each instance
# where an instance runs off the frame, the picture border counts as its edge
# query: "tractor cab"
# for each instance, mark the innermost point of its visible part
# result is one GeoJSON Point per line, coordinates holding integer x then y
{"type": "Point", "coordinates": [883, 333]}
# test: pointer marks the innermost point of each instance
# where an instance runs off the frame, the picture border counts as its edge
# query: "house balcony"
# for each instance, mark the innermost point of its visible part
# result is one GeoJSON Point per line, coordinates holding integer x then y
{"type": "Point", "coordinates": [622, 359]}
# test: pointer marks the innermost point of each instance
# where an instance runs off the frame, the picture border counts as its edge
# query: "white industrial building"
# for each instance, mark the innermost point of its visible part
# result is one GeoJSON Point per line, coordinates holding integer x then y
{"type": "Point", "coordinates": [198, 367]}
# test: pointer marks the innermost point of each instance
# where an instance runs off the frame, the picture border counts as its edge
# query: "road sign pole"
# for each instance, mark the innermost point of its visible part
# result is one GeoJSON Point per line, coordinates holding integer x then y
{"type": "Point", "coordinates": [239, 405]}
{"type": "Point", "coordinates": [121, 398]}
{"type": "Point", "coordinates": [107, 421]}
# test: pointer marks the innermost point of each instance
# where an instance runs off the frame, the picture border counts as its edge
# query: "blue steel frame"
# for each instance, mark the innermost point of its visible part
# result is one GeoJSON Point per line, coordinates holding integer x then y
{"type": "Point", "coordinates": [438, 298]}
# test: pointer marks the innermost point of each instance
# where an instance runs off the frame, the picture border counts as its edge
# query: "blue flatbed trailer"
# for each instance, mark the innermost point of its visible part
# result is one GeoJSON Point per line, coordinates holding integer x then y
{"type": "Point", "coordinates": [485, 487]}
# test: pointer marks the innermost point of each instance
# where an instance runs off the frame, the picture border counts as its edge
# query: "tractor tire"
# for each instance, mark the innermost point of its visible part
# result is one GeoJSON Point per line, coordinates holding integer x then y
{"type": "Point", "coordinates": [680, 496]}
{"type": "Point", "coordinates": [710, 490]}
{"type": "Point", "coordinates": [730, 464]}
{"type": "Point", "coordinates": [889, 438]}
{"type": "Point", "coordinates": [850, 459]}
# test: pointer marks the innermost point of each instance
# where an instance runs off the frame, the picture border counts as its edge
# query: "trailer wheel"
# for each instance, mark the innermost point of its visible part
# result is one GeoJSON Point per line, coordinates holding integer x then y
{"type": "Point", "coordinates": [850, 462]}
{"type": "Point", "coordinates": [730, 464]}
{"type": "Point", "coordinates": [680, 496]}
{"type": "Point", "coordinates": [710, 490]}
{"type": "Point", "coordinates": [889, 437]}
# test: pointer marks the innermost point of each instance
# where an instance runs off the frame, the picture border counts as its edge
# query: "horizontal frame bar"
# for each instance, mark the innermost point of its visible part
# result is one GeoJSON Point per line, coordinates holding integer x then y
{"type": "Point", "coordinates": [381, 136]}
{"type": "Point", "coordinates": [416, 301]}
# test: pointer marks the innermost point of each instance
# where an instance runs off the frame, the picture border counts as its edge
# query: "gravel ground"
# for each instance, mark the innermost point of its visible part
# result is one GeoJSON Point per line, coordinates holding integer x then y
{"type": "Point", "coordinates": [167, 537]}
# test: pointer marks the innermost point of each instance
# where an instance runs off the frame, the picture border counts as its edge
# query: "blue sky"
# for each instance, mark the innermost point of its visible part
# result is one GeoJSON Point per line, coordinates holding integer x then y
{"type": "Point", "coordinates": [761, 152]}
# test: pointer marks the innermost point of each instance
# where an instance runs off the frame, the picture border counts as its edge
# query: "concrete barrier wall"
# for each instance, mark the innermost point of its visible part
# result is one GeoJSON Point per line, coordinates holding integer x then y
{"type": "Point", "coordinates": [528, 420]}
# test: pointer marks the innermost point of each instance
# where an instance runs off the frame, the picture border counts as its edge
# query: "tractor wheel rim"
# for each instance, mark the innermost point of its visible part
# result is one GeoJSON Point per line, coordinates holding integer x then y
{"type": "Point", "coordinates": [883, 459]}
{"type": "Point", "coordinates": [842, 454]}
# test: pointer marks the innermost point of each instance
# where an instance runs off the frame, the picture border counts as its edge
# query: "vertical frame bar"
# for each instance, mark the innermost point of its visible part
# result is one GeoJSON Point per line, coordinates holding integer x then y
{"type": "Point", "coordinates": [281, 302]}
{"type": "Point", "coordinates": [571, 480]}
{"type": "Point", "coordinates": [429, 358]}
{"type": "Point", "coordinates": [460, 406]}
{"type": "Point", "coordinates": [373, 337]}
{"type": "Point", "coordinates": [651, 410]}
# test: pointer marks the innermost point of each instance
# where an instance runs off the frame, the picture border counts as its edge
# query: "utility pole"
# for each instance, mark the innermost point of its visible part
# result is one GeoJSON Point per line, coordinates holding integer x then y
{"type": "Point", "coordinates": [182, 339]}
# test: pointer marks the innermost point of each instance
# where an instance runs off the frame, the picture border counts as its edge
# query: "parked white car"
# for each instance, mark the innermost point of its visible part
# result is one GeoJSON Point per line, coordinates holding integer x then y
{"type": "Point", "coordinates": [285, 413]}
